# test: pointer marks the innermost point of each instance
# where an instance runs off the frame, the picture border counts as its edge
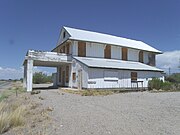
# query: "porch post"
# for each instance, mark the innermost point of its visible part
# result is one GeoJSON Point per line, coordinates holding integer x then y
{"type": "Point", "coordinates": [29, 75]}
{"type": "Point", "coordinates": [25, 75]}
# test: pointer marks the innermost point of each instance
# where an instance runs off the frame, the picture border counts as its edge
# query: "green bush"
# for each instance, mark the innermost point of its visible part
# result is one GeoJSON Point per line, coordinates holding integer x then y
{"type": "Point", "coordinates": [40, 77]}
{"type": "Point", "coordinates": [159, 84]}
{"type": "Point", "coordinates": [155, 83]}
{"type": "Point", "coordinates": [166, 85]}
{"type": "Point", "coordinates": [174, 78]}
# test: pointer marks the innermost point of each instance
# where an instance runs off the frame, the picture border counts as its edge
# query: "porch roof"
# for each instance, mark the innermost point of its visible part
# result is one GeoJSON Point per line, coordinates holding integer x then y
{"type": "Point", "coordinates": [47, 59]}
{"type": "Point", "coordinates": [116, 64]}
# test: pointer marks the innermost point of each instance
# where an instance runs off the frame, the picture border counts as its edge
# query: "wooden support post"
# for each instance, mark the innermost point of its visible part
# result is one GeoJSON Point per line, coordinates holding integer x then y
{"type": "Point", "coordinates": [29, 75]}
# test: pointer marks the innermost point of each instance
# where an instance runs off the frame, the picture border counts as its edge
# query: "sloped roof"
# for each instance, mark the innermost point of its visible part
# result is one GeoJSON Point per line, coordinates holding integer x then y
{"type": "Point", "coordinates": [116, 64]}
{"type": "Point", "coordinates": [84, 35]}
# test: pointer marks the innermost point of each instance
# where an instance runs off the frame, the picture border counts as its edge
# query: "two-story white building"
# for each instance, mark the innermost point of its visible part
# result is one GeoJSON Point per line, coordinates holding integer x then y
{"type": "Point", "coordinates": [91, 60]}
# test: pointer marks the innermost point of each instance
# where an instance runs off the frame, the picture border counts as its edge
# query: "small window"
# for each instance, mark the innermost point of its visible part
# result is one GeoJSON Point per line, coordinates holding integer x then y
{"type": "Point", "coordinates": [133, 76]}
{"type": "Point", "coordinates": [64, 34]}
{"type": "Point", "coordinates": [74, 76]}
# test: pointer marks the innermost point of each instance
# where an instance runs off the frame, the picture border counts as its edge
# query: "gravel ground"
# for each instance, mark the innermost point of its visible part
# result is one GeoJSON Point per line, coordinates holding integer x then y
{"type": "Point", "coordinates": [136, 113]}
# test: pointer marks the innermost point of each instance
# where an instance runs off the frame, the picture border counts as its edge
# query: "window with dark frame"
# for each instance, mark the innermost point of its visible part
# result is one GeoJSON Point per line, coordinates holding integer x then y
{"type": "Point", "coordinates": [133, 76]}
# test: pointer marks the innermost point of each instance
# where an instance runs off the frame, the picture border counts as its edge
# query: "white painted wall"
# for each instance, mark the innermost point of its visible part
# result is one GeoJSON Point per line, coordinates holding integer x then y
{"type": "Point", "coordinates": [75, 48]}
{"type": "Point", "coordinates": [133, 55]}
{"type": "Point", "coordinates": [116, 52]}
{"type": "Point", "coordinates": [95, 50]}
{"type": "Point", "coordinates": [61, 39]}
{"type": "Point", "coordinates": [75, 67]}
{"type": "Point", "coordinates": [98, 78]}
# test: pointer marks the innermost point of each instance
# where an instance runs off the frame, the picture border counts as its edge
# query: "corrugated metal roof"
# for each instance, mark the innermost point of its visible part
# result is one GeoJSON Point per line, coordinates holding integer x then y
{"type": "Point", "coordinates": [115, 64]}
{"type": "Point", "coordinates": [84, 35]}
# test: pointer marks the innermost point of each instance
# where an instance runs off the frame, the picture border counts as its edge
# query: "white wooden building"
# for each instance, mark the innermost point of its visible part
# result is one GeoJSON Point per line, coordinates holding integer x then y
{"type": "Point", "coordinates": [92, 60]}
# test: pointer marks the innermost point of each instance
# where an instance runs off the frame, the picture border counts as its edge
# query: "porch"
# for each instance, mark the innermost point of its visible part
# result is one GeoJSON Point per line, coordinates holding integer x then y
{"type": "Point", "coordinates": [41, 58]}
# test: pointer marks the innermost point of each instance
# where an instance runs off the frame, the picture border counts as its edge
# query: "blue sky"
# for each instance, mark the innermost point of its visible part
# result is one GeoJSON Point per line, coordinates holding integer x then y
{"type": "Point", "coordinates": [35, 24]}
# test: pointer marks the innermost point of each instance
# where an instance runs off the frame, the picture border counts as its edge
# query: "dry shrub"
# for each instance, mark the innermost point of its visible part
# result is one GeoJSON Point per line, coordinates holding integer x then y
{"type": "Point", "coordinates": [10, 117]}
{"type": "Point", "coordinates": [91, 92]}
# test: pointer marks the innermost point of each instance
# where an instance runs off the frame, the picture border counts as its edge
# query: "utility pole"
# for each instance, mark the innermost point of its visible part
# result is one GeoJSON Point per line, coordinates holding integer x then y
{"type": "Point", "coordinates": [169, 71]}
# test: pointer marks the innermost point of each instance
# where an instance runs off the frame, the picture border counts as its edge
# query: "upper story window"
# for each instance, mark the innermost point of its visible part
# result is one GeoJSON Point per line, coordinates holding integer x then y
{"type": "Point", "coordinates": [82, 49]}
{"type": "Point", "coordinates": [152, 59]}
{"type": "Point", "coordinates": [141, 58]}
{"type": "Point", "coordinates": [64, 34]}
{"type": "Point", "coordinates": [124, 53]}
{"type": "Point", "coordinates": [107, 52]}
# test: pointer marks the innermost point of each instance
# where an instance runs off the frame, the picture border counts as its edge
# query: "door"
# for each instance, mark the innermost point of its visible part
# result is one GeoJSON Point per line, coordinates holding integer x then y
{"type": "Point", "coordinates": [80, 79]}
{"type": "Point", "coordinates": [63, 78]}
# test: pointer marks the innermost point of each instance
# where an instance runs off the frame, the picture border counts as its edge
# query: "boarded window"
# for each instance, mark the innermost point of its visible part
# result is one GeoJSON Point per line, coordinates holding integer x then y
{"type": "Point", "coordinates": [107, 52]}
{"type": "Point", "coordinates": [152, 60]}
{"type": "Point", "coordinates": [67, 74]}
{"type": "Point", "coordinates": [74, 76]}
{"type": "Point", "coordinates": [81, 49]}
{"type": "Point", "coordinates": [59, 74]}
{"type": "Point", "coordinates": [141, 57]}
{"type": "Point", "coordinates": [124, 53]}
{"type": "Point", "coordinates": [110, 76]}
{"type": "Point", "coordinates": [133, 76]}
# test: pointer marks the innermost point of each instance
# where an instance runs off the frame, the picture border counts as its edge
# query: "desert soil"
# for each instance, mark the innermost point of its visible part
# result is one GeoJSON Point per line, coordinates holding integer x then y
{"type": "Point", "coordinates": [135, 113]}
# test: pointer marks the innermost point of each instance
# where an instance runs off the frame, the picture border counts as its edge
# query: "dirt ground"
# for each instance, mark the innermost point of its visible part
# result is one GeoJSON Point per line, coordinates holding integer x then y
{"type": "Point", "coordinates": [53, 112]}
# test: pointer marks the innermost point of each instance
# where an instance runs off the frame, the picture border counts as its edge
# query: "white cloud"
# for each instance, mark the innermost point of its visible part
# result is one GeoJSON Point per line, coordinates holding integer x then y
{"type": "Point", "coordinates": [13, 73]}
{"type": "Point", "coordinates": [168, 60]}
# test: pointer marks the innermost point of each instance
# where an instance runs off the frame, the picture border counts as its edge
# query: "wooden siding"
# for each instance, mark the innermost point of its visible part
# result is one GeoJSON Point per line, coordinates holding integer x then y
{"type": "Point", "coordinates": [124, 53]}
{"type": "Point", "coordinates": [107, 52]}
{"type": "Point", "coordinates": [133, 76]}
{"type": "Point", "coordinates": [81, 49]}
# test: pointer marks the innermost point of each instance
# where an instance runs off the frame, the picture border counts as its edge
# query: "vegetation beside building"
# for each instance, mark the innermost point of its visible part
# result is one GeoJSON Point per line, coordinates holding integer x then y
{"type": "Point", "coordinates": [40, 77]}
{"type": "Point", "coordinates": [171, 83]}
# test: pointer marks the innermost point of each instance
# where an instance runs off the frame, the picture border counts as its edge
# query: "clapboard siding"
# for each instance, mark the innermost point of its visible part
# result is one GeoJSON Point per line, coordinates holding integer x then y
{"type": "Point", "coordinates": [97, 78]}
